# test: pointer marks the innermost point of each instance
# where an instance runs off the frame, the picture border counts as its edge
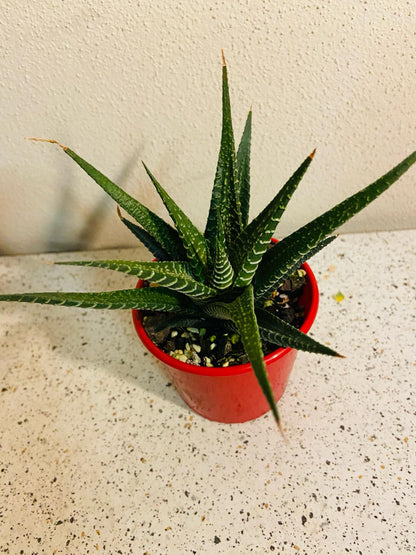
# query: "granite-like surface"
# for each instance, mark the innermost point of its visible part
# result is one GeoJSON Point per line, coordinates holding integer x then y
{"type": "Point", "coordinates": [98, 453]}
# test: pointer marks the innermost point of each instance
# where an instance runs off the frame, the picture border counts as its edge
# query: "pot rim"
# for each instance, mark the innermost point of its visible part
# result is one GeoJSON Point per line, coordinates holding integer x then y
{"type": "Point", "coordinates": [229, 370]}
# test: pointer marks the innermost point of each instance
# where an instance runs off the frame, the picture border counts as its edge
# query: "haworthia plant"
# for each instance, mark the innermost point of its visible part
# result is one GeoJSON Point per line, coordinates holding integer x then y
{"type": "Point", "coordinates": [226, 273]}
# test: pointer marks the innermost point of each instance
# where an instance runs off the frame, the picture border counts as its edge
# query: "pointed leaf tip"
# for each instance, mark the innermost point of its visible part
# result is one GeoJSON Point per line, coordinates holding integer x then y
{"type": "Point", "coordinates": [312, 154]}
{"type": "Point", "coordinates": [119, 212]}
{"type": "Point", "coordinates": [282, 431]}
{"type": "Point", "coordinates": [47, 141]}
{"type": "Point", "coordinates": [223, 57]}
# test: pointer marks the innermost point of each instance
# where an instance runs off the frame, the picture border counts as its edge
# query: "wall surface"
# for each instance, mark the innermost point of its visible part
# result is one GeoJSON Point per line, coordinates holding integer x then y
{"type": "Point", "coordinates": [123, 81]}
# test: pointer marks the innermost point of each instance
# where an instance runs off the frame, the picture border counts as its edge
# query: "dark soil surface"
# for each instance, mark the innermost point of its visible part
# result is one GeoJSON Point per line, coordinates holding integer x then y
{"type": "Point", "coordinates": [211, 342]}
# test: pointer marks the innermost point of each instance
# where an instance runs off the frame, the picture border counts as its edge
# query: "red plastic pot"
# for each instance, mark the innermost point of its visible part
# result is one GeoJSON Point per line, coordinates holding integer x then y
{"type": "Point", "coordinates": [232, 394]}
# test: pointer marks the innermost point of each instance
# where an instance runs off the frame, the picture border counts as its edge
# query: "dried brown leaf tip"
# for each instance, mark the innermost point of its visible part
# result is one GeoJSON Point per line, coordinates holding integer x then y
{"type": "Point", "coordinates": [223, 57]}
{"type": "Point", "coordinates": [312, 154]}
{"type": "Point", "coordinates": [48, 141]}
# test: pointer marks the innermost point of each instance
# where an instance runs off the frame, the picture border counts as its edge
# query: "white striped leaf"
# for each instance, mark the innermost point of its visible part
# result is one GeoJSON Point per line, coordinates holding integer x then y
{"type": "Point", "coordinates": [243, 170]}
{"type": "Point", "coordinates": [223, 273]}
{"type": "Point", "coordinates": [170, 274]}
{"type": "Point", "coordinates": [241, 312]}
{"type": "Point", "coordinates": [282, 264]}
{"type": "Point", "coordinates": [253, 242]}
{"type": "Point", "coordinates": [225, 196]}
{"type": "Point", "coordinates": [148, 240]}
{"type": "Point", "coordinates": [193, 240]}
{"type": "Point", "coordinates": [164, 234]}
{"type": "Point", "coordinates": [149, 298]}
{"type": "Point", "coordinates": [296, 246]}
{"type": "Point", "coordinates": [279, 332]}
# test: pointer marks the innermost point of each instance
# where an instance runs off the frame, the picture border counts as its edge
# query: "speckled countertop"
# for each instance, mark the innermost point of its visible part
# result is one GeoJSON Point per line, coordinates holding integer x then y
{"type": "Point", "coordinates": [99, 454]}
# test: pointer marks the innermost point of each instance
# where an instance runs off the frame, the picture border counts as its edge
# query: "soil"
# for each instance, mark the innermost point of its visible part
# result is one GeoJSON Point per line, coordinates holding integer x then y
{"type": "Point", "coordinates": [213, 342]}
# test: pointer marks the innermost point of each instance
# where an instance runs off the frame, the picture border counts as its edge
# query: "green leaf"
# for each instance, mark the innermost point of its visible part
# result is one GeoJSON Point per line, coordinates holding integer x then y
{"type": "Point", "coordinates": [243, 170]}
{"type": "Point", "coordinates": [278, 264]}
{"type": "Point", "coordinates": [253, 242]}
{"type": "Point", "coordinates": [148, 240]}
{"type": "Point", "coordinates": [149, 298]}
{"type": "Point", "coordinates": [296, 246]}
{"type": "Point", "coordinates": [172, 275]}
{"type": "Point", "coordinates": [193, 240]}
{"type": "Point", "coordinates": [278, 332]}
{"type": "Point", "coordinates": [286, 254]}
{"type": "Point", "coordinates": [164, 234]}
{"type": "Point", "coordinates": [242, 314]}
{"type": "Point", "coordinates": [223, 273]}
{"type": "Point", "coordinates": [225, 193]}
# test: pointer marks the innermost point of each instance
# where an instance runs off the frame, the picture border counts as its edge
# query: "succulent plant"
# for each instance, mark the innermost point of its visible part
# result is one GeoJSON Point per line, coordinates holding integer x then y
{"type": "Point", "coordinates": [228, 271]}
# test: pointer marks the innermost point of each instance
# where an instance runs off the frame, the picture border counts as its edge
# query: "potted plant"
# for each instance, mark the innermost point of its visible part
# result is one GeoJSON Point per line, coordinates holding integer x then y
{"type": "Point", "coordinates": [224, 279]}
{"type": "Point", "coordinates": [224, 387]}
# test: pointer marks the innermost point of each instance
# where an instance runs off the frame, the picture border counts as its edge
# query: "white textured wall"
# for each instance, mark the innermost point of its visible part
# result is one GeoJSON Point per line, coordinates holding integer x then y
{"type": "Point", "coordinates": [123, 81]}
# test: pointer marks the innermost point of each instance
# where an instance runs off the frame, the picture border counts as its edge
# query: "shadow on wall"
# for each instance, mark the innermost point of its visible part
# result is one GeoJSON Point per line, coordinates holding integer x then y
{"type": "Point", "coordinates": [61, 237]}
{"type": "Point", "coordinates": [58, 232]}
